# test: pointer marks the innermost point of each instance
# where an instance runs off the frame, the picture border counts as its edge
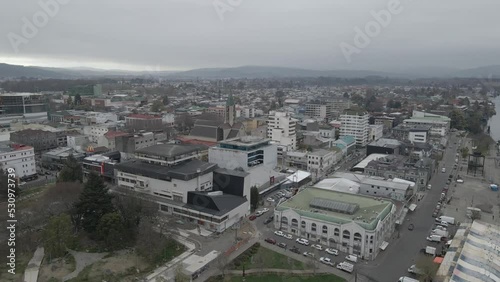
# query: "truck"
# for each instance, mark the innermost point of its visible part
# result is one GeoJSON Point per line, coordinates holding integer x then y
{"type": "Point", "coordinates": [345, 266]}
{"type": "Point", "coordinates": [434, 238]}
{"type": "Point", "coordinates": [430, 250]}
{"type": "Point", "coordinates": [407, 279]}
{"type": "Point", "coordinates": [449, 219]}
{"type": "Point", "coordinates": [440, 232]}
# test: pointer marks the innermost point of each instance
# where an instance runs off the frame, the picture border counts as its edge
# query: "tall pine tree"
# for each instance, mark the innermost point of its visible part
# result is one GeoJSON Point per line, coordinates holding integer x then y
{"type": "Point", "coordinates": [71, 172]}
{"type": "Point", "coordinates": [94, 203]}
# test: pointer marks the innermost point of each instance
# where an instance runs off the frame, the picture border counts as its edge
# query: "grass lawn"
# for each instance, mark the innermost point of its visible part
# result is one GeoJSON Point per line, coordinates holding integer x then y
{"type": "Point", "coordinates": [265, 258]}
{"type": "Point", "coordinates": [284, 278]}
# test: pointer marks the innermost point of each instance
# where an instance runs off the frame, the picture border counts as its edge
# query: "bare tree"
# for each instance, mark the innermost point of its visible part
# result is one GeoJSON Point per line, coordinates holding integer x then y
{"type": "Point", "coordinates": [428, 268]}
{"type": "Point", "coordinates": [222, 261]}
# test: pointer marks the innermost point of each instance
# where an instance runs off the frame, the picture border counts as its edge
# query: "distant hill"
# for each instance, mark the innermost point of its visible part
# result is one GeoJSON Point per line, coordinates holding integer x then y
{"type": "Point", "coordinates": [15, 71]}
{"type": "Point", "coordinates": [271, 72]}
{"type": "Point", "coordinates": [480, 72]}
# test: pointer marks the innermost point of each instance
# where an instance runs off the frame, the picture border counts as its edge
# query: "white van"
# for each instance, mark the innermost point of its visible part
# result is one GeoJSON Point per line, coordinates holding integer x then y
{"type": "Point", "coordinates": [352, 258]}
{"type": "Point", "coordinates": [407, 279]}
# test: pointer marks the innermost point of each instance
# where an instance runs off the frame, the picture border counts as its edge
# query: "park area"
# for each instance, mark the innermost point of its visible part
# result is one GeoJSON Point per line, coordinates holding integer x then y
{"type": "Point", "coordinates": [261, 264]}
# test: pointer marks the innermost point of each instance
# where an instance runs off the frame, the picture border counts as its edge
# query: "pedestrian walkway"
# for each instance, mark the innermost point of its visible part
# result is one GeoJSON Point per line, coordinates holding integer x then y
{"type": "Point", "coordinates": [82, 260]}
{"type": "Point", "coordinates": [31, 272]}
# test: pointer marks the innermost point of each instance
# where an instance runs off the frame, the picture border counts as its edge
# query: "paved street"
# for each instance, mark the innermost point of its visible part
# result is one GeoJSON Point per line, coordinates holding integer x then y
{"type": "Point", "coordinates": [267, 231]}
{"type": "Point", "coordinates": [403, 251]}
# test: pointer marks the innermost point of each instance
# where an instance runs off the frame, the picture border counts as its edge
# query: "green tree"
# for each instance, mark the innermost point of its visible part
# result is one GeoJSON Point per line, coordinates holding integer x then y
{"type": "Point", "coordinates": [71, 172]}
{"type": "Point", "coordinates": [58, 235]}
{"type": "Point", "coordinates": [94, 203]}
{"type": "Point", "coordinates": [111, 230]}
{"type": "Point", "coordinates": [457, 120]}
{"type": "Point", "coordinates": [78, 99]}
{"type": "Point", "coordinates": [465, 152]}
{"type": "Point", "coordinates": [69, 101]}
{"type": "Point", "coordinates": [165, 100]}
{"type": "Point", "coordinates": [157, 106]}
{"type": "Point", "coordinates": [254, 197]}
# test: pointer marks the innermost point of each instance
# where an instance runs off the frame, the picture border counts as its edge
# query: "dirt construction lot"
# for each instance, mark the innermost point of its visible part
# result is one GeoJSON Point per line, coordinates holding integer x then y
{"type": "Point", "coordinates": [475, 192]}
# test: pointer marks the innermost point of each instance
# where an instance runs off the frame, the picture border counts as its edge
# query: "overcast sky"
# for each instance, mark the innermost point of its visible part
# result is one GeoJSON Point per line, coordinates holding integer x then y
{"type": "Point", "coordinates": [186, 34]}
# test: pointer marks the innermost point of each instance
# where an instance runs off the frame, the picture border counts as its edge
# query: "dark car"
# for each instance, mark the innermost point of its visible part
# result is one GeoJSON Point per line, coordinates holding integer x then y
{"type": "Point", "coordinates": [252, 217]}
{"type": "Point", "coordinates": [282, 245]}
{"type": "Point", "coordinates": [435, 214]}
{"type": "Point", "coordinates": [295, 250]}
{"type": "Point", "coordinates": [411, 226]}
{"type": "Point", "coordinates": [268, 220]}
{"type": "Point", "coordinates": [270, 241]}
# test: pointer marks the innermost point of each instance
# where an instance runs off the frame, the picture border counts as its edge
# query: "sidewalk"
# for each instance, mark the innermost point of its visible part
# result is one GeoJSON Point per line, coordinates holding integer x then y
{"type": "Point", "coordinates": [31, 272]}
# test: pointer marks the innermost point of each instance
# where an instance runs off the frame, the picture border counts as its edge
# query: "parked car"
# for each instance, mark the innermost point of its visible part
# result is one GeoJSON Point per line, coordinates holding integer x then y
{"type": "Point", "coordinates": [411, 226]}
{"type": "Point", "coordinates": [259, 213]}
{"type": "Point", "coordinates": [252, 217]}
{"type": "Point", "coordinates": [279, 233]}
{"type": "Point", "coordinates": [295, 250]}
{"type": "Point", "coordinates": [460, 181]}
{"type": "Point", "coordinates": [270, 241]}
{"type": "Point", "coordinates": [308, 254]}
{"type": "Point", "coordinates": [332, 251]}
{"type": "Point", "coordinates": [317, 247]}
{"type": "Point", "coordinates": [352, 258]}
{"type": "Point", "coordinates": [326, 261]}
{"type": "Point", "coordinates": [270, 199]}
{"type": "Point", "coordinates": [435, 214]}
{"type": "Point", "coordinates": [268, 220]}
{"type": "Point", "coordinates": [288, 236]}
{"type": "Point", "coordinates": [443, 223]}
{"type": "Point", "coordinates": [282, 245]}
{"type": "Point", "coordinates": [302, 241]}
{"type": "Point", "coordinates": [264, 210]}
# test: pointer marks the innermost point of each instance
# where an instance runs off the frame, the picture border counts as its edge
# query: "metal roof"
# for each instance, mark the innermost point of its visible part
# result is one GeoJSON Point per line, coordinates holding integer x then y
{"type": "Point", "coordinates": [334, 206]}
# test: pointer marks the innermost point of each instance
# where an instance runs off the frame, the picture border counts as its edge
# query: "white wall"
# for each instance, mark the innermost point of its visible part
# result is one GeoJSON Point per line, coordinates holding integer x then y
{"type": "Point", "coordinates": [417, 137]}
{"type": "Point", "coordinates": [167, 189]}
{"type": "Point", "coordinates": [23, 161]}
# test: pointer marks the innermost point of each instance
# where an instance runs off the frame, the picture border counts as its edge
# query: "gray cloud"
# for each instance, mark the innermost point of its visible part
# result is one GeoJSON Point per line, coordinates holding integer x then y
{"type": "Point", "coordinates": [183, 34]}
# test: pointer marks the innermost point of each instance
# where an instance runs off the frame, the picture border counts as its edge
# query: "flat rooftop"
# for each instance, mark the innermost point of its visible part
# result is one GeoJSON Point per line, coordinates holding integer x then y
{"type": "Point", "coordinates": [186, 171]}
{"type": "Point", "coordinates": [362, 164]}
{"type": "Point", "coordinates": [168, 150]}
{"type": "Point", "coordinates": [386, 142]}
{"type": "Point", "coordinates": [245, 141]}
{"type": "Point", "coordinates": [369, 212]}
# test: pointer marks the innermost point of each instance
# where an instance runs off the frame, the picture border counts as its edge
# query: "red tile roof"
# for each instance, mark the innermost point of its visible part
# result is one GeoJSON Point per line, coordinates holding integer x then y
{"type": "Point", "coordinates": [192, 141]}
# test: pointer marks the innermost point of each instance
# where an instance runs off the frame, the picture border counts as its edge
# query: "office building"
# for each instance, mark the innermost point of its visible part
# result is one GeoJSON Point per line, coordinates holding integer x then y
{"type": "Point", "coordinates": [244, 153]}
{"type": "Point", "coordinates": [355, 123]}
{"type": "Point", "coordinates": [19, 157]}
{"type": "Point", "coordinates": [140, 122]}
{"type": "Point", "coordinates": [181, 185]}
{"type": "Point", "coordinates": [440, 125]}
{"type": "Point", "coordinates": [29, 107]}
{"type": "Point", "coordinates": [281, 130]}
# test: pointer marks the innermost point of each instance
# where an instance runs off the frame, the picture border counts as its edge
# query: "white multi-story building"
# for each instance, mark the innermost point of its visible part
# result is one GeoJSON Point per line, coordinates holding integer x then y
{"type": "Point", "coordinates": [376, 131]}
{"type": "Point", "coordinates": [281, 130]}
{"type": "Point", "coordinates": [319, 111]}
{"type": "Point", "coordinates": [94, 132]}
{"type": "Point", "coordinates": [355, 123]}
{"type": "Point", "coordinates": [320, 162]}
{"type": "Point", "coordinates": [245, 153]}
{"type": "Point", "coordinates": [440, 125]}
{"type": "Point", "coordinates": [19, 157]}
{"type": "Point", "coordinates": [416, 136]}
{"type": "Point", "coordinates": [247, 112]}
{"type": "Point", "coordinates": [350, 223]}
{"type": "Point", "coordinates": [181, 185]}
